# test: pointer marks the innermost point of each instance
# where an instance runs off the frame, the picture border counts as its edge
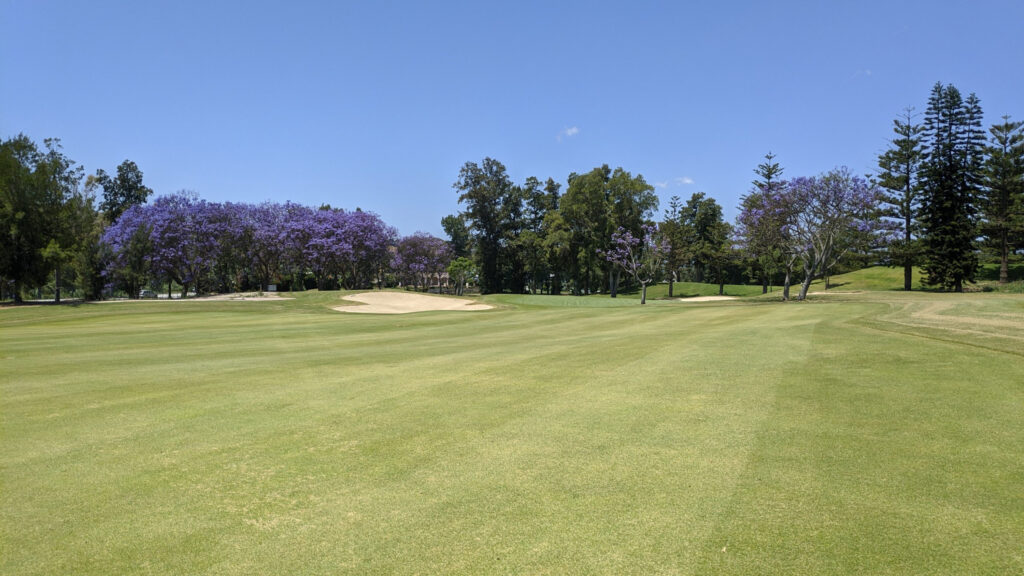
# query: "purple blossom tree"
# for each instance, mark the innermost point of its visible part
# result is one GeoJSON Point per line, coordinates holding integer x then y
{"type": "Point", "coordinates": [828, 216]}
{"type": "Point", "coordinates": [641, 258]}
{"type": "Point", "coordinates": [328, 246]}
{"type": "Point", "coordinates": [421, 259]}
{"type": "Point", "coordinates": [370, 255]}
{"type": "Point", "coordinates": [264, 225]}
{"type": "Point", "coordinates": [130, 250]}
{"type": "Point", "coordinates": [294, 237]}
{"type": "Point", "coordinates": [764, 229]}
{"type": "Point", "coordinates": [231, 270]}
{"type": "Point", "coordinates": [184, 239]}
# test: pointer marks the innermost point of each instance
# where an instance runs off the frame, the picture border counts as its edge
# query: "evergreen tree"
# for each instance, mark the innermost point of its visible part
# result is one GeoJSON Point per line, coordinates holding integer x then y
{"type": "Point", "coordinates": [674, 234]}
{"type": "Point", "coordinates": [1002, 203]}
{"type": "Point", "coordinates": [899, 178]}
{"type": "Point", "coordinates": [950, 179]}
{"type": "Point", "coordinates": [761, 234]}
{"type": "Point", "coordinates": [706, 236]}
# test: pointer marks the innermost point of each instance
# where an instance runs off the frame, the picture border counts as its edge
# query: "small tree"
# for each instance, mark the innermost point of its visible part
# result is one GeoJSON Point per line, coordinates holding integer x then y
{"type": "Point", "coordinates": [641, 258]}
{"type": "Point", "coordinates": [460, 271]}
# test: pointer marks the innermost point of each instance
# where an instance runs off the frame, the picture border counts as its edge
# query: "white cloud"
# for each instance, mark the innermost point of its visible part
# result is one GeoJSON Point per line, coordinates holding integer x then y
{"type": "Point", "coordinates": [568, 132]}
{"type": "Point", "coordinates": [661, 184]}
{"type": "Point", "coordinates": [684, 181]}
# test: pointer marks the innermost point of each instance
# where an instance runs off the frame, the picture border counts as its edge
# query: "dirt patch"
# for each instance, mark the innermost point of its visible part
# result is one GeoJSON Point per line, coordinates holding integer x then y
{"type": "Point", "coordinates": [707, 299]}
{"type": "Point", "coordinates": [405, 303]}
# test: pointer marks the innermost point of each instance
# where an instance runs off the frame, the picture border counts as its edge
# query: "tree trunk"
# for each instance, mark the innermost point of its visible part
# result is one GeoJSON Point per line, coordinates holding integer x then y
{"type": "Point", "coordinates": [785, 286]}
{"type": "Point", "coordinates": [56, 285]}
{"type": "Point", "coordinates": [643, 293]}
{"type": "Point", "coordinates": [804, 286]}
{"type": "Point", "coordinates": [17, 292]}
{"type": "Point", "coordinates": [671, 281]}
{"type": "Point", "coordinates": [908, 266]}
{"type": "Point", "coordinates": [1004, 268]}
{"type": "Point", "coordinates": [764, 283]}
{"type": "Point", "coordinates": [613, 282]}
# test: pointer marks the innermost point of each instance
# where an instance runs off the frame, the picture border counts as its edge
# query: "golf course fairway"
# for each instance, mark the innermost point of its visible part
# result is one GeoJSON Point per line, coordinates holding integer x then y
{"type": "Point", "coordinates": [874, 433]}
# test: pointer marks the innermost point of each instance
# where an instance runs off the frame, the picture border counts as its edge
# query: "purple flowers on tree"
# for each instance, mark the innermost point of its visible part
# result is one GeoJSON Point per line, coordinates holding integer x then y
{"type": "Point", "coordinates": [421, 259]}
{"type": "Point", "coordinates": [202, 245]}
{"type": "Point", "coordinates": [833, 214]}
{"type": "Point", "coordinates": [641, 258]}
{"type": "Point", "coordinates": [818, 220]}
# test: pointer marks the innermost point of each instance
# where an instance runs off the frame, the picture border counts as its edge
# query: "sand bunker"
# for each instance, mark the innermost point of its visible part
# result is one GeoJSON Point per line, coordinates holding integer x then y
{"type": "Point", "coordinates": [245, 296]}
{"type": "Point", "coordinates": [404, 303]}
{"type": "Point", "coordinates": [706, 299]}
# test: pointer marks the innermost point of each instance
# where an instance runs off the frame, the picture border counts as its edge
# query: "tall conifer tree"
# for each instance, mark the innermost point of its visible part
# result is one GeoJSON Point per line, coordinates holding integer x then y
{"type": "Point", "coordinates": [1002, 204]}
{"type": "Point", "coordinates": [899, 178]}
{"type": "Point", "coordinates": [950, 187]}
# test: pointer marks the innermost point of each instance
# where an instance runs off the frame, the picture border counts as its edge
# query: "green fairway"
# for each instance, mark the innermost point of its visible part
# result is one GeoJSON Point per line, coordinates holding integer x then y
{"type": "Point", "coordinates": [875, 433]}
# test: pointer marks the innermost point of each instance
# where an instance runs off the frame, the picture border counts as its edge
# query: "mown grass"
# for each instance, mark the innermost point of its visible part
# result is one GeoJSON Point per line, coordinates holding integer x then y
{"type": "Point", "coordinates": [875, 433]}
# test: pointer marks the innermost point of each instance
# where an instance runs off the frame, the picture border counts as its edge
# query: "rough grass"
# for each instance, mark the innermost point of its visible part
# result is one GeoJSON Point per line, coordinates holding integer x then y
{"type": "Point", "coordinates": [868, 434]}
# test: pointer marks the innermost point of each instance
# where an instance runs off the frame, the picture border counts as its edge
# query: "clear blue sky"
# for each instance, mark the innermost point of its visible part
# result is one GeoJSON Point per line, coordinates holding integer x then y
{"type": "Point", "coordinates": [378, 104]}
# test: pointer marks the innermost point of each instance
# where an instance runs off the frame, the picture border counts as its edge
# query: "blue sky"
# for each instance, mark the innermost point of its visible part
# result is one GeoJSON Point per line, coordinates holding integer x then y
{"type": "Point", "coordinates": [378, 104]}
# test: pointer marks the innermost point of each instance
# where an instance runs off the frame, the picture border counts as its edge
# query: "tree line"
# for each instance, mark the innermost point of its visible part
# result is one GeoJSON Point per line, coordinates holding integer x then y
{"type": "Point", "coordinates": [58, 232]}
{"type": "Point", "coordinates": [945, 194]}
{"type": "Point", "coordinates": [951, 192]}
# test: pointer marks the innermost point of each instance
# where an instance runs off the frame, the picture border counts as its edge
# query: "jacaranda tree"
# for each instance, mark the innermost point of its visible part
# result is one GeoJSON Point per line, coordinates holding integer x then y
{"type": "Point", "coordinates": [830, 215]}
{"type": "Point", "coordinates": [640, 257]}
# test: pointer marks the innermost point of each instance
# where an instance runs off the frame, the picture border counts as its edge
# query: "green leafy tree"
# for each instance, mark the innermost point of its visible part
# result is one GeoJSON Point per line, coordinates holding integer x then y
{"type": "Point", "coordinates": [511, 258]}
{"type": "Point", "coordinates": [706, 235]}
{"type": "Point", "coordinates": [461, 271]}
{"type": "Point", "coordinates": [483, 188]}
{"type": "Point", "coordinates": [631, 201]}
{"type": "Point", "coordinates": [122, 191]}
{"type": "Point", "coordinates": [454, 226]}
{"type": "Point", "coordinates": [557, 243]}
{"type": "Point", "coordinates": [899, 178]}
{"type": "Point", "coordinates": [594, 206]}
{"type": "Point", "coordinates": [40, 212]}
{"type": "Point", "coordinates": [584, 210]}
{"type": "Point", "coordinates": [1002, 205]}
{"type": "Point", "coordinates": [950, 182]}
